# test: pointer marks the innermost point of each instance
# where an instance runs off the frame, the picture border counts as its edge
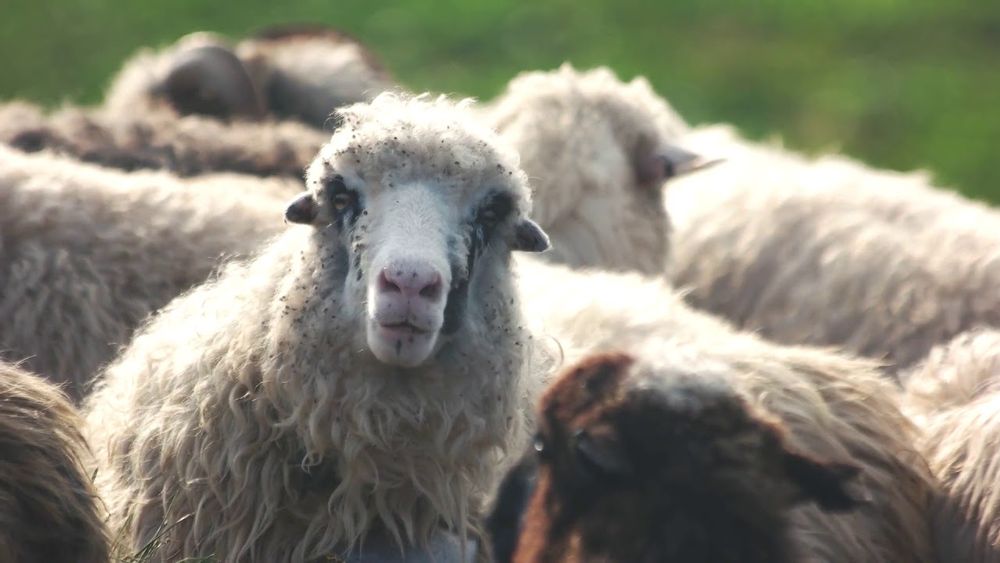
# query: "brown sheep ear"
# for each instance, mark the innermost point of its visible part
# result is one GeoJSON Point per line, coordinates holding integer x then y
{"type": "Point", "coordinates": [302, 210]}
{"type": "Point", "coordinates": [670, 162]}
{"type": "Point", "coordinates": [822, 482]}
{"type": "Point", "coordinates": [211, 80]}
{"type": "Point", "coordinates": [529, 237]}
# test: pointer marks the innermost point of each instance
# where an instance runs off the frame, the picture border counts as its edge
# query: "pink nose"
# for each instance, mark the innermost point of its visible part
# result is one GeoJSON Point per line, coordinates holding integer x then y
{"type": "Point", "coordinates": [412, 280]}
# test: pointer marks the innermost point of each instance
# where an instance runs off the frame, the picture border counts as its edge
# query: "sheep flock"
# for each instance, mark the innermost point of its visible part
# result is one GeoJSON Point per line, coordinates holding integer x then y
{"type": "Point", "coordinates": [266, 304]}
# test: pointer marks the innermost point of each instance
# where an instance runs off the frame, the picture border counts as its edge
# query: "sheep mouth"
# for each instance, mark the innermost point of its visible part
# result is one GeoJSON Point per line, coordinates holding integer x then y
{"type": "Point", "coordinates": [405, 327]}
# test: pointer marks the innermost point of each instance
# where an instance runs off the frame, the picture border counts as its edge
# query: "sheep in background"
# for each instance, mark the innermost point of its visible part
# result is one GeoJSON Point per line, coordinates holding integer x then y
{"type": "Point", "coordinates": [307, 71]}
{"type": "Point", "coordinates": [185, 145]}
{"type": "Point", "coordinates": [362, 375]}
{"type": "Point", "coordinates": [834, 407]}
{"type": "Point", "coordinates": [86, 252]}
{"type": "Point", "coordinates": [639, 460]}
{"type": "Point", "coordinates": [299, 72]}
{"type": "Point", "coordinates": [831, 252]}
{"type": "Point", "coordinates": [49, 509]}
{"type": "Point", "coordinates": [597, 151]}
{"type": "Point", "coordinates": [954, 396]}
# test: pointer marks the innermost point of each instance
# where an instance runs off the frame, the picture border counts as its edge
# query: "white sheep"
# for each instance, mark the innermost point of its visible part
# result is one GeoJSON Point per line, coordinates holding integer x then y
{"type": "Point", "coordinates": [362, 375]}
{"type": "Point", "coordinates": [597, 151]}
{"type": "Point", "coordinates": [834, 407]}
{"type": "Point", "coordinates": [954, 396]}
{"type": "Point", "coordinates": [86, 253]}
{"type": "Point", "coordinates": [830, 252]}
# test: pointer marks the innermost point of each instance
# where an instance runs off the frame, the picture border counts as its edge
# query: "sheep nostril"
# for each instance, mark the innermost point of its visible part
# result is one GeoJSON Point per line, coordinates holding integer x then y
{"type": "Point", "coordinates": [432, 290]}
{"type": "Point", "coordinates": [385, 285]}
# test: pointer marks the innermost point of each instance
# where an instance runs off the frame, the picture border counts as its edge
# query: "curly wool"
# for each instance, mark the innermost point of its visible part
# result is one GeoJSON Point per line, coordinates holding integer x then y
{"type": "Point", "coordinates": [184, 145]}
{"type": "Point", "coordinates": [87, 253]}
{"type": "Point", "coordinates": [834, 407]}
{"type": "Point", "coordinates": [250, 419]}
{"type": "Point", "coordinates": [580, 136]}
{"type": "Point", "coordinates": [49, 509]}
{"type": "Point", "coordinates": [831, 252]}
{"type": "Point", "coordinates": [954, 396]}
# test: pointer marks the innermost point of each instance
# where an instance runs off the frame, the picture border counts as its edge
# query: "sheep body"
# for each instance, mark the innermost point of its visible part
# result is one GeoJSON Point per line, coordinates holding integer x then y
{"type": "Point", "coordinates": [49, 509]}
{"type": "Point", "coordinates": [831, 252]}
{"type": "Point", "coordinates": [185, 145]}
{"type": "Point", "coordinates": [86, 253]}
{"type": "Point", "coordinates": [834, 407]}
{"type": "Point", "coordinates": [954, 396]}
{"type": "Point", "coordinates": [252, 415]}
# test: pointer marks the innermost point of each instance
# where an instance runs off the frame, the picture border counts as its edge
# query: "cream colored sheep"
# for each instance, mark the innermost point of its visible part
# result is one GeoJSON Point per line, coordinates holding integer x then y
{"type": "Point", "coordinates": [954, 396]}
{"type": "Point", "coordinates": [49, 511]}
{"type": "Point", "coordinates": [834, 407]}
{"type": "Point", "coordinates": [597, 151]}
{"type": "Point", "coordinates": [830, 252]}
{"type": "Point", "coordinates": [86, 253]}
{"type": "Point", "coordinates": [362, 375]}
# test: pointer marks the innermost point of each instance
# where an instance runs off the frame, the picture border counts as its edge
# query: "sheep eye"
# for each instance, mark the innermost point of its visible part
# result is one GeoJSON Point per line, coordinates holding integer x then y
{"type": "Point", "coordinates": [341, 201]}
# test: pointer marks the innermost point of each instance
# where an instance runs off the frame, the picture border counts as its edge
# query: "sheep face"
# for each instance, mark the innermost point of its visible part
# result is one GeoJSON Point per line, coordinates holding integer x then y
{"type": "Point", "coordinates": [651, 463]}
{"type": "Point", "coordinates": [419, 214]}
{"type": "Point", "coordinates": [597, 151]}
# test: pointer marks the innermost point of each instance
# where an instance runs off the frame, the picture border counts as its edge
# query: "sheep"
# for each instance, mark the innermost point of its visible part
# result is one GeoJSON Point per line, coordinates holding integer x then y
{"type": "Point", "coordinates": [86, 253]}
{"type": "Point", "coordinates": [835, 407]}
{"type": "Point", "coordinates": [298, 72]}
{"type": "Point", "coordinates": [658, 460]}
{"type": "Point", "coordinates": [954, 396]}
{"type": "Point", "coordinates": [831, 252]}
{"type": "Point", "coordinates": [185, 145]}
{"type": "Point", "coordinates": [362, 374]}
{"type": "Point", "coordinates": [49, 509]}
{"type": "Point", "coordinates": [597, 151]}
{"type": "Point", "coordinates": [307, 71]}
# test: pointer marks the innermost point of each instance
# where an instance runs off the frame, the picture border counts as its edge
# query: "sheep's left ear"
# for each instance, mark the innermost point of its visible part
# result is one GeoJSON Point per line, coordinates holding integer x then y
{"type": "Point", "coordinates": [668, 162]}
{"type": "Point", "coordinates": [529, 237]}
{"type": "Point", "coordinates": [822, 482]}
{"type": "Point", "coordinates": [302, 209]}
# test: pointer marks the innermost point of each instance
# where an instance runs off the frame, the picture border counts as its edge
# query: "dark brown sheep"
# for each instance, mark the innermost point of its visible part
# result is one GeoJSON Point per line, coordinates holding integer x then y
{"type": "Point", "coordinates": [49, 510]}
{"type": "Point", "coordinates": [651, 462]}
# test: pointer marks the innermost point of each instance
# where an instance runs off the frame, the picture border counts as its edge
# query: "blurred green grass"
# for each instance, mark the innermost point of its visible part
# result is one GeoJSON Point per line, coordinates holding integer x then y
{"type": "Point", "coordinates": [900, 84]}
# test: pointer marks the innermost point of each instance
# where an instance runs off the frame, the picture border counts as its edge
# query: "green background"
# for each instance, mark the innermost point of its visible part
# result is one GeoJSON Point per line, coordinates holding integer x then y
{"type": "Point", "coordinates": [900, 84]}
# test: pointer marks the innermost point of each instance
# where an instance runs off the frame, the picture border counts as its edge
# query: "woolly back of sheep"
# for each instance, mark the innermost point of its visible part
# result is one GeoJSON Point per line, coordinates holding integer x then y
{"type": "Point", "coordinates": [954, 395]}
{"type": "Point", "coordinates": [86, 253]}
{"type": "Point", "coordinates": [831, 252]}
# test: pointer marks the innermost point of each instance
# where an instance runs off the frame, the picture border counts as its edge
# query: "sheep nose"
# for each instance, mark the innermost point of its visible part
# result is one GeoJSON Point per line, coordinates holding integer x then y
{"type": "Point", "coordinates": [412, 280]}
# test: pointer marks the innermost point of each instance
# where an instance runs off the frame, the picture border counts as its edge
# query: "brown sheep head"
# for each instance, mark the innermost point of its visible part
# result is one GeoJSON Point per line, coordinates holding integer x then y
{"type": "Point", "coordinates": [638, 462]}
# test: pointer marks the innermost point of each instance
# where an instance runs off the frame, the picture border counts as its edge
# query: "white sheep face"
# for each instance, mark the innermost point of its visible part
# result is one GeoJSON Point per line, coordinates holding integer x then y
{"type": "Point", "coordinates": [422, 217]}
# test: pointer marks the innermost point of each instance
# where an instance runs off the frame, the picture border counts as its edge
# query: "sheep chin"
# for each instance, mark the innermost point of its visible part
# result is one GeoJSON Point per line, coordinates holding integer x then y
{"type": "Point", "coordinates": [401, 345]}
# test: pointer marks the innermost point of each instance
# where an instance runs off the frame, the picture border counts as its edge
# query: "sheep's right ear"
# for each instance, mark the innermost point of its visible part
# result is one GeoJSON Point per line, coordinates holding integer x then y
{"type": "Point", "coordinates": [302, 209]}
{"type": "Point", "coordinates": [599, 448]}
{"type": "Point", "coordinates": [529, 237]}
{"type": "Point", "coordinates": [822, 482]}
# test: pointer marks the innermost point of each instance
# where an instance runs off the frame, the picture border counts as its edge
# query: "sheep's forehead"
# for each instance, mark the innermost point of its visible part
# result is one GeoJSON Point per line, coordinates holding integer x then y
{"type": "Point", "coordinates": [687, 391]}
{"type": "Point", "coordinates": [434, 143]}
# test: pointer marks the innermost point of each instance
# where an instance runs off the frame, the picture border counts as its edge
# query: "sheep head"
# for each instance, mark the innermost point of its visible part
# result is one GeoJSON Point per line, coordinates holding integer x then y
{"type": "Point", "coordinates": [642, 462]}
{"type": "Point", "coordinates": [598, 151]}
{"type": "Point", "coordinates": [419, 206]}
